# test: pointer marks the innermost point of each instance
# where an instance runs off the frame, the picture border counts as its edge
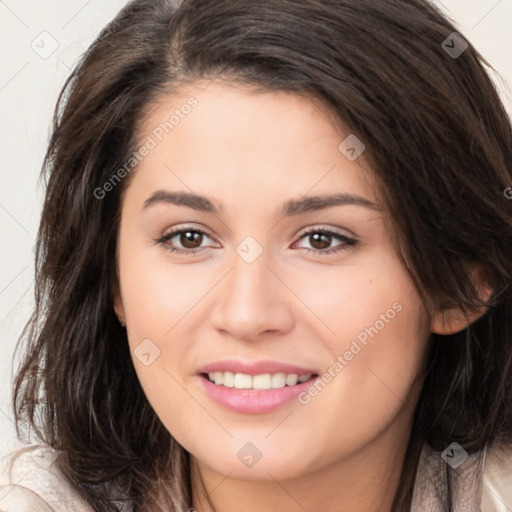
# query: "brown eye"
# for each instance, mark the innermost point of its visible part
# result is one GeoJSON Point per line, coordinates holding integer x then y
{"type": "Point", "coordinates": [188, 240]}
{"type": "Point", "coordinates": [321, 240]}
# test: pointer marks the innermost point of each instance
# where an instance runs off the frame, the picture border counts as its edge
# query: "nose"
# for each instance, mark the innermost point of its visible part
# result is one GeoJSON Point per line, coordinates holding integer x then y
{"type": "Point", "coordinates": [253, 301]}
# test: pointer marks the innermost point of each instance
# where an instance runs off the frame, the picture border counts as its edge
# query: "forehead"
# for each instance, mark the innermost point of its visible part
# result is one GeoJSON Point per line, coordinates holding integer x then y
{"type": "Point", "coordinates": [215, 138]}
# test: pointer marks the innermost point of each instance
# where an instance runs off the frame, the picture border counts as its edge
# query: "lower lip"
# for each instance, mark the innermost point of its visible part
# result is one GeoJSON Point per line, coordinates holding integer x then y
{"type": "Point", "coordinates": [253, 401]}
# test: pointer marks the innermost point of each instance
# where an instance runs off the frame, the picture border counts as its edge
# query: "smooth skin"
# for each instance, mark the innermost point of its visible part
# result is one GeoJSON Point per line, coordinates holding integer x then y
{"type": "Point", "coordinates": [250, 152]}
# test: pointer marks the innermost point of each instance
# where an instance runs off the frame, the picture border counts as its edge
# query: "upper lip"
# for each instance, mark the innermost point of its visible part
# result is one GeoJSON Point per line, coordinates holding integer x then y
{"type": "Point", "coordinates": [255, 367]}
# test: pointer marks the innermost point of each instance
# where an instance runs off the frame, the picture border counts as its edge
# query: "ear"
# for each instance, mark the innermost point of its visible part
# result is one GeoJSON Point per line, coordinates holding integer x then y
{"type": "Point", "coordinates": [453, 320]}
{"type": "Point", "coordinates": [118, 303]}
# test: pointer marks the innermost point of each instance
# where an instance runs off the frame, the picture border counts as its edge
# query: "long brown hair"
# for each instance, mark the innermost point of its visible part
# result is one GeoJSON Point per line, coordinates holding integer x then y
{"type": "Point", "coordinates": [440, 144]}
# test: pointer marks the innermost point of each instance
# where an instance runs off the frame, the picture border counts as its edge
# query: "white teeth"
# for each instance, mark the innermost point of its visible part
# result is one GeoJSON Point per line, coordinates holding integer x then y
{"type": "Point", "coordinates": [243, 381]}
{"type": "Point", "coordinates": [228, 380]}
{"type": "Point", "coordinates": [261, 382]}
{"type": "Point", "coordinates": [279, 380]}
{"type": "Point", "coordinates": [292, 379]}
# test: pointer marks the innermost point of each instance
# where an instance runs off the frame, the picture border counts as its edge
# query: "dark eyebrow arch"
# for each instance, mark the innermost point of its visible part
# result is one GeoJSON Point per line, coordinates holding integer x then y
{"type": "Point", "coordinates": [313, 203]}
{"type": "Point", "coordinates": [291, 208]}
{"type": "Point", "coordinates": [194, 201]}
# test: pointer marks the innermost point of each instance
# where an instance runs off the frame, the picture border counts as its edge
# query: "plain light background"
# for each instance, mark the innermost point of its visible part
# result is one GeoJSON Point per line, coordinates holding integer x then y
{"type": "Point", "coordinates": [39, 44]}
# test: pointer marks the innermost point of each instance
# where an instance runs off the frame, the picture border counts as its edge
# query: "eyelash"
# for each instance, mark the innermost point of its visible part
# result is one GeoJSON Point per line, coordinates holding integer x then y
{"type": "Point", "coordinates": [348, 243]}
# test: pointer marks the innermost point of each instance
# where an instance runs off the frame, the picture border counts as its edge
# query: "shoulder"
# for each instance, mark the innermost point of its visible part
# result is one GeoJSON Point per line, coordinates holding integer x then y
{"type": "Point", "coordinates": [33, 483]}
{"type": "Point", "coordinates": [497, 480]}
{"type": "Point", "coordinates": [21, 499]}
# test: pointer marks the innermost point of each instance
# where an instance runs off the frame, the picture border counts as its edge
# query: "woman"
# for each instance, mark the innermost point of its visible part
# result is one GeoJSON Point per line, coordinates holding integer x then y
{"type": "Point", "coordinates": [273, 266]}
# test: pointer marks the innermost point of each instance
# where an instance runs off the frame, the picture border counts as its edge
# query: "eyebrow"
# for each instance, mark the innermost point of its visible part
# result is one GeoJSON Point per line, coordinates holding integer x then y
{"type": "Point", "coordinates": [290, 208]}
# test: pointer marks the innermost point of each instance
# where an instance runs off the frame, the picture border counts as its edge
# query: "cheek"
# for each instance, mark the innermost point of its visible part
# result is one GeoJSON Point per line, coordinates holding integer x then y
{"type": "Point", "coordinates": [377, 386]}
{"type": "Point", "coordinates": [373, 298]}
{"type": "Point", "coordinates": [376, 341]}
{"type": "Point", "coordinates": [157, 293]}
{"type": "Point", "coordinates": [160, 300]}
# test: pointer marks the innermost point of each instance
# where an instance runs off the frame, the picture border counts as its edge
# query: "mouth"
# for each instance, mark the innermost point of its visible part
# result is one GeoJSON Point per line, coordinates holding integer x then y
{"type": "Point", "coordinates": [255, 394]}
{"type": "Point", "coordinates": [260, 382]}
{"type": "Point", "coordinates": [255, 387]}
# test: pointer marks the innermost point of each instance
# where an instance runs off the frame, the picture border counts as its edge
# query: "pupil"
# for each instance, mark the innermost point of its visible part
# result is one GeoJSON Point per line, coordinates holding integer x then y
{"type": "Point", "coordinates": [326, 243]}
{"type": "Point", "coordinates": [188, 239]}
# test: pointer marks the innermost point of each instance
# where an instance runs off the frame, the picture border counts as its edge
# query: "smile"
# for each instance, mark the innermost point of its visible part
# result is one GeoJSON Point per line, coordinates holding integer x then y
{"type": "Point", "coordinates": [259, 382]}
{"type": "Point", "coordinates": [254, 394]}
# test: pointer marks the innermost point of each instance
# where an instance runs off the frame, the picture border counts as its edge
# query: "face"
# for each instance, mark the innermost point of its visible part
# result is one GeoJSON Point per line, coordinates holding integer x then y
{"type": "Point", "coordinates": [262, 291]}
